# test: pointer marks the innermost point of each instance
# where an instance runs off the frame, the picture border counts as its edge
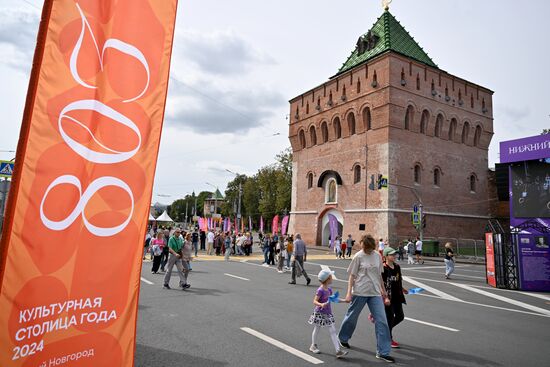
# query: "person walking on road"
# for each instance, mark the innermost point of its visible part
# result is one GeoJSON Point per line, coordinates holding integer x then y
{"type": "Point", "coordinates": [175, 245]}
{"type": "Point", "coordinates": [156, 249]}
{"type": "Point", "coordinates": [322, 314]}
{"type": "Point", "coordinates": [349, 246]}
{"type": "Point", "coordinates": [396, 294]}
{"type": "Point", "coordinates": [411, 249]}
{"type": "Point", "coordinates": [186, 257]}
{"type": "Point", "coordinates": [289, 248]}
{"type": "Point", "coordinates": [209, 242]}
{"type": "Point", "coordinates": [265, 249]}
{"type": "Point", "coordinates": [338, 247]}
{"type": "Point", "coordinates": [449, 260]}
{"type": "Point", "coordinates": [300, 255]}
{"type": "Point", "coordinates": [227, 244]}
{"type": "Point", "coordinates": [418, 251]}
{"type": "Point", "coordinates": [365, 286]}
{"type": "Point", "coordinates": [202, 237]}
{"type": "Point", "coordinates": [195, 241]}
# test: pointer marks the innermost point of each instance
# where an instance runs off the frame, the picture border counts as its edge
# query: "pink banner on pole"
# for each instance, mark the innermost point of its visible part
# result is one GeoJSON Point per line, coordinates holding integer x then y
{"type": "Point", "coordinates": [236, 227]}
{"type": "Point", "coordinates": [284, 225]}
{"type": "Point", "coordinates": [261, 224]}
{"type": "Point", "coordinates": [275, 224]}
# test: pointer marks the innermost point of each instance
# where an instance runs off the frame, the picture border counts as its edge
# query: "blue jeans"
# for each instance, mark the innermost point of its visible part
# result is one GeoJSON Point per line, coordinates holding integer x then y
{"type": "Point", "coordinates": [196, 247]}
{"type": "Point", "coordinates": [266, 254]}
{"type": "Point", "coordinates": [376, 308]}
{"type": "Point", "coordinates": [449, 267]}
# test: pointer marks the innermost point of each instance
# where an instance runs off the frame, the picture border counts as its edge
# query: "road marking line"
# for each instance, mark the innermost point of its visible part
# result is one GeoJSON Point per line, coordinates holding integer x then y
{"type": "Point", "coordinates": [282, 346]}
{"type": "Point", "coordinates": [504, 299]}
{"type": "Point", "coordinates": [422, 267]}
{"type": "Point", "coordinates": [487, 306]}
{"type": "Point", "coordinates": [432, 325]}
{"type": "Point", "coordinates": [326, 267]}
{"type": "Point", "coordinates": [431, 289]}
{"type": "Point", "coordinates": [536, 295]}
{"type": "Point", "coordinates": [454, 274]}
{"type": "Point", "coordinates": [321, 265]}
{"type": "Point", "coordinates": [234, 276]}
{"type": "Point", "coordinates": [146, 281]}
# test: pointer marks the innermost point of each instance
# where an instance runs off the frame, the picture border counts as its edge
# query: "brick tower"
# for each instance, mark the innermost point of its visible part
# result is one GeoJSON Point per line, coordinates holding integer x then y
{"type": "Point", "coordinates": [391, 111]}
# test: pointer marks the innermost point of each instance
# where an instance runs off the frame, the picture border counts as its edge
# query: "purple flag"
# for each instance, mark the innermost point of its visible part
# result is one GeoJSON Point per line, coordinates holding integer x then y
{"type": "Point", "coordinates": [333, 226]}
{"type": "Point", "coordinates": [284, 225]}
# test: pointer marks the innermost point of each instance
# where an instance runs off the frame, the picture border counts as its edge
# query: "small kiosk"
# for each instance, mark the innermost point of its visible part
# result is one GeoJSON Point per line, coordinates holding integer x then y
{"type": "Point", "coordinates": [520, 258]}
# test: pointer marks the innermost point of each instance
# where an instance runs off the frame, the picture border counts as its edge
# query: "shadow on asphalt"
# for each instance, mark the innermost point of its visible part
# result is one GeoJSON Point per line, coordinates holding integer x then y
{"type": "Point", "coordinates": [417, 356]}
{"type": "Point", "coordinates": [147, 356]}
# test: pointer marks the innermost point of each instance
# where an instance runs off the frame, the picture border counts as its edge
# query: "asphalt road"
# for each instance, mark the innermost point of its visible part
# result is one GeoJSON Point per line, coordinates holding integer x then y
{"type": "Point", "coordinates": [460, 322]}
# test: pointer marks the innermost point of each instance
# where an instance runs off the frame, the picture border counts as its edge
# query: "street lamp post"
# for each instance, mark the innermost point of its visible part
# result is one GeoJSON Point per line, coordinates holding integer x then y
{"type": "Point", "coordinates": [239, 202]}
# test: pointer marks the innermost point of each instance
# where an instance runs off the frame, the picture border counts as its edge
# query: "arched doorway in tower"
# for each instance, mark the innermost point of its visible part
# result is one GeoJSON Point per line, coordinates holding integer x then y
{"type": "Point", "coordinates": [325, 226]}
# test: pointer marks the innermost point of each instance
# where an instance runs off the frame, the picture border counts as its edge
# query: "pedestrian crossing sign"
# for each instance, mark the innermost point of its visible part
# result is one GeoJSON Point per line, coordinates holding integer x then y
{"type": "Point", "coordinates": [6, 168]}
{"type": "Point", "coordinates": [416, 218]}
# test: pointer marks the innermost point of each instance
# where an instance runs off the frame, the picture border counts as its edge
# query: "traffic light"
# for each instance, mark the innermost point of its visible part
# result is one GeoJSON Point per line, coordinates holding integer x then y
{"type": "Point", "coordinates": [379, 182]}
{"type": "Point", "coordinates": [423, 220]}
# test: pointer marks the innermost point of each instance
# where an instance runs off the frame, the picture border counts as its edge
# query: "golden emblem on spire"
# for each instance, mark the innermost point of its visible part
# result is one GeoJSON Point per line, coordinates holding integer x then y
{"type": "Point", "coordinates": [386, 4]}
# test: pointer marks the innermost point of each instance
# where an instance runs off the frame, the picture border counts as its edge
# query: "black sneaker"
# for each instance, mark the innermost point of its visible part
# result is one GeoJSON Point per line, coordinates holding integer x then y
{"type": "Point", "coordinates": [388, 359]}
{"type": "Point", "coordinates": [166, 286]}
{"type": "Point", "coordinates": [308, 281]}
{"type": "Point", "coordinates": [185, 286]}
{"type": "Point", "coordinates": [291, 282]}
{"type": "Point", "coordinates": [344, 344]}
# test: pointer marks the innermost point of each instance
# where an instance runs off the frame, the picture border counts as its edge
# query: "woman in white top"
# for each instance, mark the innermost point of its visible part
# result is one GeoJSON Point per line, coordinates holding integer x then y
{"type": "Point", "coordinates": [366, 287]}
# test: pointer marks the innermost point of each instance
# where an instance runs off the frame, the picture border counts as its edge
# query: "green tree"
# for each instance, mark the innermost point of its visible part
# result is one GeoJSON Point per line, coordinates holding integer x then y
{"type": "Point", "coordinates": [229, 207]}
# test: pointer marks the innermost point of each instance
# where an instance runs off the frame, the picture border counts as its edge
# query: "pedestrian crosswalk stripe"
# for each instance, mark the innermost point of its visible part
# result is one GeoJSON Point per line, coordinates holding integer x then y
{"type": "Point", "coordinates": [437, 292]}
{"type": "Point", "coordinates": [282, 346]}
{"type": "Point", "coordinates": [432, 325]}
{"type": "Point", "coordinates": [504, 299]}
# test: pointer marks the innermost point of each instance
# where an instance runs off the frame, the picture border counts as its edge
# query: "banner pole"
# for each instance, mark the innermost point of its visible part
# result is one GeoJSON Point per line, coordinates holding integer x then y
{"type": "Point", "coordinates": [24, 134]}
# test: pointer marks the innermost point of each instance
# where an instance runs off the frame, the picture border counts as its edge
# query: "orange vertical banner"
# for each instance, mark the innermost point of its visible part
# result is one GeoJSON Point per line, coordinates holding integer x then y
{"type": "Point", "coordinates": [78, 209]}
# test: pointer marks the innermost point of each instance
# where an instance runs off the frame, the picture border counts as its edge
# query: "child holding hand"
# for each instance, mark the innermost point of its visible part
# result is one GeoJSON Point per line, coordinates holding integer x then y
{"type": "Point", "coordinates": [322, 314]}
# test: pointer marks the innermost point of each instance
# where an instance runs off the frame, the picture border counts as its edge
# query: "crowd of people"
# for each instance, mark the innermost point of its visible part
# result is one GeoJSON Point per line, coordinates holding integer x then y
{"type": "Point", "coordinates": [375, 278]}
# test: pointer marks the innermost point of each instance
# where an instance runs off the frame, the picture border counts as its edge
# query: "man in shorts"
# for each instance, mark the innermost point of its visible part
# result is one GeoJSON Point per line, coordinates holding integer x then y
{"type": "Point", "coordinates": [418, 251]}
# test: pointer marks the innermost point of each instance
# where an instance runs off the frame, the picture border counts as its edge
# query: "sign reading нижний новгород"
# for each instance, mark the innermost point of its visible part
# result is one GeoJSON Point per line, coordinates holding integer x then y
{"type": "Point", "coordinates": [525, 149]}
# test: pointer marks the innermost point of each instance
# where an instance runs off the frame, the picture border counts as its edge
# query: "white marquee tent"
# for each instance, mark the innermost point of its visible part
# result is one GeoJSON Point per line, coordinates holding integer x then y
{"type": "Point", "coordinates": [164, 217]}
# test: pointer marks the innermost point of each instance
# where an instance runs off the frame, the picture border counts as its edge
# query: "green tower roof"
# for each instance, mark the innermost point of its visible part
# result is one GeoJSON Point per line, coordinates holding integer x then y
{"type": "Point", "coordinates": [387, 34]}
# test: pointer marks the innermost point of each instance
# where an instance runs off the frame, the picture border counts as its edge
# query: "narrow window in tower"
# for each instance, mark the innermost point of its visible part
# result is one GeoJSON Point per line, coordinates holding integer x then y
{"type": "Point", "coordinates": [409, 116]}
{"type": "Point", "coordinates": [437, 177]}
{"type": "Point", "coordinates": [472, 101]}
{"type": "Point", "coordinates": [358, 86]}
{"type": "Point", "coordinates": [351, 123]}
{"type": "Point", "coordinates": [465, 132]}
{"type": "Point", "coordinates": [417, 81]}
{"type": "Point", "coordinates": [477, 136]}
{"type": "Point", "coordinates": [307, 108]}
{"type": "Point", "coordinates": [424, 122]}
{"type": "Point", "coordinates": [366, 118]}
{"type": "Point", "coordinates": [324, 132]}
{"type": "Point", "coordinates": [310, 180]}
{"type": "Point", "coordinates": [302, 137]}
{"type": "Point", "coordinates": [473, 183]}
{"type": "Point", "coordinates": [452, 129]}
{"type": "Point", "coordinates": [356, 174]}
{"type": "Point", "coordinates": [438, 126]}
{"type": "Point", "coordinates": [313, 136]}
{"type": "Point", "coordinates": [337, 128]}
{"type": "Point", "coordinates": [417, 174]}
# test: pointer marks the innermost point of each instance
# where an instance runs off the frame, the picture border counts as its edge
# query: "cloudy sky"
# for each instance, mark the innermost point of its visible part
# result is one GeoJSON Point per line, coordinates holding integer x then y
{"type": "Point", "coordinates": [236, 63]}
